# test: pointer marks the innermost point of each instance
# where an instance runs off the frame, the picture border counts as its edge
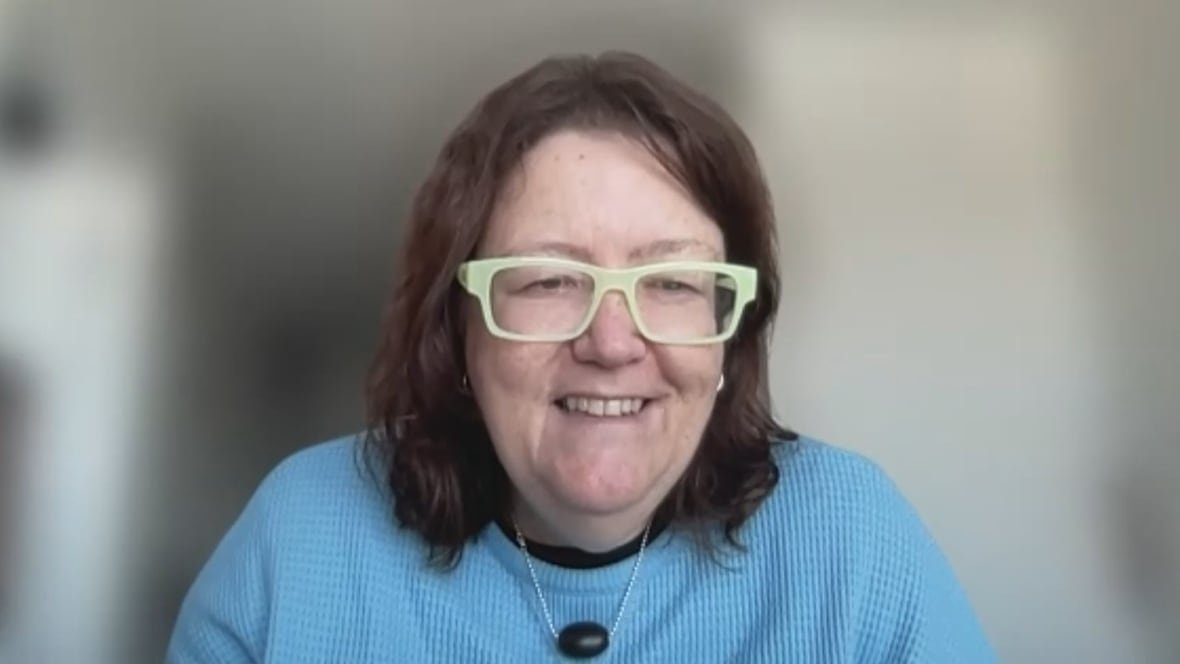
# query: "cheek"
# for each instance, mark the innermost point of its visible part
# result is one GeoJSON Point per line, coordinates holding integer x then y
{"type": "Point", "coordinates": [692, 372]}
{"type": "Point", "coordinates": [506, 375]}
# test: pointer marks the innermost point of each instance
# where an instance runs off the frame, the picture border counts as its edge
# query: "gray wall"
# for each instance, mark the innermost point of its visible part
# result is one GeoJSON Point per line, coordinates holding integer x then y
{"type": "Point", "coordinates": [980, 252]}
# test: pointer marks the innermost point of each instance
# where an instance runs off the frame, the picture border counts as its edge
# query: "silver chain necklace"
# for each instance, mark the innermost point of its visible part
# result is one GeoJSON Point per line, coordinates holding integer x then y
{"type": "Point", "coordinates": [581, 639]}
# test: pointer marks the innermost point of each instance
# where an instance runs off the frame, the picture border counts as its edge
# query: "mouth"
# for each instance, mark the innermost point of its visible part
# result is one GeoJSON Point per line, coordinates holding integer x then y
{"type": "Point", "coordinates": [602, 407]}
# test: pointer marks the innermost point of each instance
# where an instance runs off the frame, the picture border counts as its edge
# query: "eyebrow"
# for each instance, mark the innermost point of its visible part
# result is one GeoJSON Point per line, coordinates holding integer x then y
{"type": "Point", "coordinates": [664, 248]}
{"type": "Point", "coordinates": [657, 249]}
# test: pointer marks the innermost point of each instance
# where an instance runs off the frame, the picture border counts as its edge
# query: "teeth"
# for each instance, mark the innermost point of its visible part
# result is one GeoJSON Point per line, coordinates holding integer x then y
{"type": "Point", "coordinates": [603, 407]}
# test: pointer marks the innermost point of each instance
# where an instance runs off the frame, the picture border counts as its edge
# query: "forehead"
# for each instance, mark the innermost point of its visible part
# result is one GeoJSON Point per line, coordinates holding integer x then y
{"type": "Point", "coordinates": [599, 197]}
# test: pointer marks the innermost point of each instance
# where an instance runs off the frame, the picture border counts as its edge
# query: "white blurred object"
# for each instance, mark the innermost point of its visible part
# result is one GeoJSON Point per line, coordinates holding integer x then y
{"type": "Point", "coordinates": [80, 234]}
{"type": "Point", "coordinates": [83, 218]}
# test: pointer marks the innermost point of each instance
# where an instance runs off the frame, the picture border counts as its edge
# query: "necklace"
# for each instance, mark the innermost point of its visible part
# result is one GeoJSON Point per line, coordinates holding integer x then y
{"type": "Point", "coordinates": [581, 639]}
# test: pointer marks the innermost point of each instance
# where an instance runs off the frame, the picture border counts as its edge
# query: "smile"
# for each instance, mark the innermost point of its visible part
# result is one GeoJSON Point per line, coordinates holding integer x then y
{"type": "Point", "coordinates": [598, 407]}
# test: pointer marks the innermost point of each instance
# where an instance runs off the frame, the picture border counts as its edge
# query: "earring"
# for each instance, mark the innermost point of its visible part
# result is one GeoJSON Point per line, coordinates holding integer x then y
{"type": "Point", "coordinates": [465, 387]}
{"type": "Point", "coordinates": [721, 383]}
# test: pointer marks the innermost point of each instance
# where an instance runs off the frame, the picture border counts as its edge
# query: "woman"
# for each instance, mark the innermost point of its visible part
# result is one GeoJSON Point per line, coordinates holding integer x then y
{"type": "Point", "coordinates": [571, 438]}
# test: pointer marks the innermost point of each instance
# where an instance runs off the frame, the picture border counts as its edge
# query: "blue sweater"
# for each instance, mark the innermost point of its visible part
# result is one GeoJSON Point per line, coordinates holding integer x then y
{"type": "Point", "coordinates": [838, 568]}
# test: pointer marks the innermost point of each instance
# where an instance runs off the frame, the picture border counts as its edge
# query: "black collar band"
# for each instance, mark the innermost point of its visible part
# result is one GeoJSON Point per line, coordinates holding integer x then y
{"type": "Point", "coordinates": [575, 558]}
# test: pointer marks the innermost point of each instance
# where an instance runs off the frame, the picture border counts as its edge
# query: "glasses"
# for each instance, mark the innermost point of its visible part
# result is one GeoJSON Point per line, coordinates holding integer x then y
{"type": "Point", "coordinates": [532, 298]}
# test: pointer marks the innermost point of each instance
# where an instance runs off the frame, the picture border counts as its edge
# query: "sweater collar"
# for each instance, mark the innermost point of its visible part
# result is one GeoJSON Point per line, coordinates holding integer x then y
{"type": "Point", "coordinates": [610, 576]}
{"type": "Point", "coordinates": [574, 558]}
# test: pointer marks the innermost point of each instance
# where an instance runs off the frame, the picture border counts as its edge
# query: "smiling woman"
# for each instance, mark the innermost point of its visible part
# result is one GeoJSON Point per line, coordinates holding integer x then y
{"type": "Point", "coordinates": [570, 419]}
{"type": "Point", "coordinates": [582, 479]}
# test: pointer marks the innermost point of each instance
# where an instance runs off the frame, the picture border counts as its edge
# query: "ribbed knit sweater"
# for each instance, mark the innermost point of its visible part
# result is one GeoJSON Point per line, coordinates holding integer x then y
{"type": "Point", "coordinates": [837, 567]}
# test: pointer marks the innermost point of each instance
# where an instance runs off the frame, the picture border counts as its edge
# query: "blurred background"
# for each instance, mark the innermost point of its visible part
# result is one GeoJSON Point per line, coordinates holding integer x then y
{"type": "Point", "coordinates": [980, 231]}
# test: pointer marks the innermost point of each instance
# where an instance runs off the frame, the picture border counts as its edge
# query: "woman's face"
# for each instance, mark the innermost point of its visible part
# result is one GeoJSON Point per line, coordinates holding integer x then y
{"type": "Point", "coordinates": [602, 199]}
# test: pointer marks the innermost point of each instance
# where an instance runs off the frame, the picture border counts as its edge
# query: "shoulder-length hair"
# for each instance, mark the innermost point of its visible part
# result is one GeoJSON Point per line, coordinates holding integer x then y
{"type": "Point", "coordinates": [446, 481]}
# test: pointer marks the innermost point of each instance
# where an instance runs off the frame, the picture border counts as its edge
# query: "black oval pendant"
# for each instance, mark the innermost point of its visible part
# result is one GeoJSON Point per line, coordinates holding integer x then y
{"type": "Point", "coordinates": [583, 639]}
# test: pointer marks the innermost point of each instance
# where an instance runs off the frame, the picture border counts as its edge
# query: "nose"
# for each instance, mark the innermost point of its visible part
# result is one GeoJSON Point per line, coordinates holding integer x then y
{"type": "Point", "coordinates": [612, 339]}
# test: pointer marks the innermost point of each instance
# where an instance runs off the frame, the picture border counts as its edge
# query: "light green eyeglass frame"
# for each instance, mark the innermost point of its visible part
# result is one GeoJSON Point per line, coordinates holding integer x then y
{"type": "Point", "coordinates": [476, 277]}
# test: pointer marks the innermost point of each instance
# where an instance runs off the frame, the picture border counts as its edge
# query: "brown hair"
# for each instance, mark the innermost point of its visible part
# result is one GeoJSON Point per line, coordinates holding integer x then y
{"type": "Point", "coordinates": [446, 480]}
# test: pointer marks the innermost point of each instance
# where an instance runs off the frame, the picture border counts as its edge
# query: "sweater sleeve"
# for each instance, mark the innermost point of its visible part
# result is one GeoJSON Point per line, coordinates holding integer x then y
{"type": "Point", "coordinates": [918, 610]}
{"type": "Point", "coordinates": [225, 614]}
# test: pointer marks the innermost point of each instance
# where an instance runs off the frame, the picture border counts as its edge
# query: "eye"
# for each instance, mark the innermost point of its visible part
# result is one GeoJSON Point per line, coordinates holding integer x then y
{"type": "Point", "coordinates": [676, 286]}
{"type": "Point", "coordinates": [552, 283]}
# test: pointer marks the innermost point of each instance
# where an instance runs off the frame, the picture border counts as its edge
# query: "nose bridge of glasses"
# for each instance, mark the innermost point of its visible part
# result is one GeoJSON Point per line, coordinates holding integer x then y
{"type": "Point", "coordinates": [621, 284]}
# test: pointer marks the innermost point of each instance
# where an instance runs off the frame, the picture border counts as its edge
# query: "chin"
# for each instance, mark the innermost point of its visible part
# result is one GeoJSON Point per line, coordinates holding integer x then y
{"type": "Point", "coordinates": [602, 496]}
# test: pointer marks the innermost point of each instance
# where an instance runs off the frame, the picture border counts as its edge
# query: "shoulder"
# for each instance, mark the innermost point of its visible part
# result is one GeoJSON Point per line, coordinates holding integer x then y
{"type": "Point", "coordinates": [840, 504]}
{"type": "Point", "coordinates": [312, 500]}
{"type": "Point", "coordinates": [835, 498]}
{"type": "Point", "coordinates": [328, 491]}
{"type": "Point", "coordinates": [331, 463]}
{"type": "Point", "coordinates": [814, 475]}
{"type": "Point", "coordinates": [836, 518]}
{"type": "Point", "coordinates": [315, 521]}
{"type": "Point", "coordinates": [335, 467]}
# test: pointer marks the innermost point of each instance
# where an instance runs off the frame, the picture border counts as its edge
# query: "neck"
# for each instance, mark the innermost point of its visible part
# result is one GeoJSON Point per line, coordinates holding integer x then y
{"type": "Point", "coordinates": [591, 533]}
